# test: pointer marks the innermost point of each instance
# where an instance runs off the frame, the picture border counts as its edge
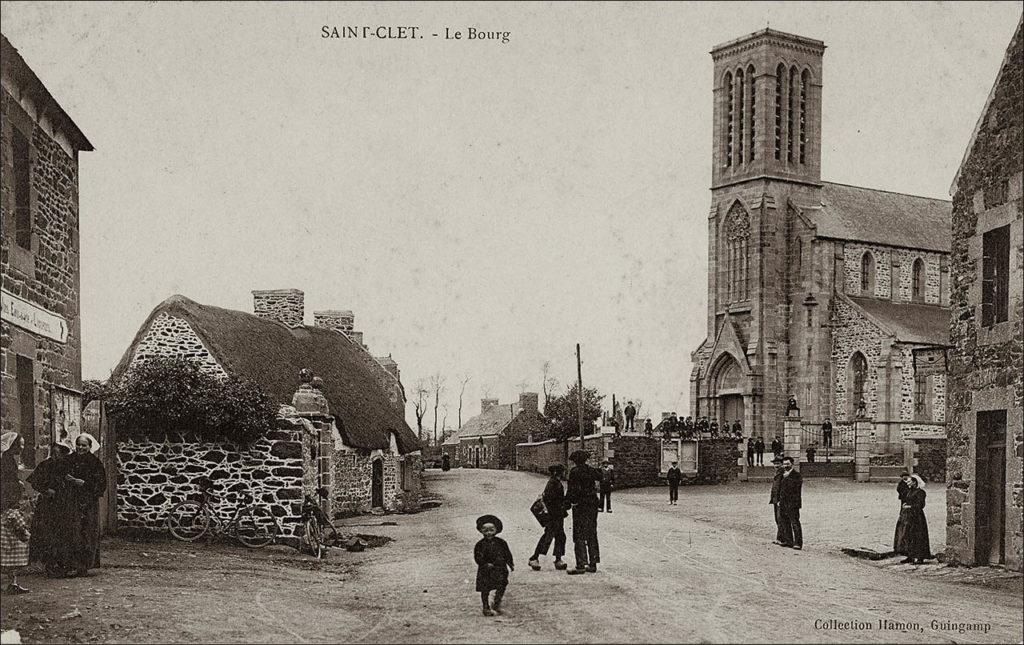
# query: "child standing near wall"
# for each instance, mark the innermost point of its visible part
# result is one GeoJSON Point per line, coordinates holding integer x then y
{"type": "Point", "coordinates": [494, 561]}
{"type": "Point", "coordinates": [14, 537]}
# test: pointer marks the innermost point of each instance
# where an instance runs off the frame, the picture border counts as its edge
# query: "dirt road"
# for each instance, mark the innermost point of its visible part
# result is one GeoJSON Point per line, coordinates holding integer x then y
{"type": "Point", "coordinates": [665, 577]}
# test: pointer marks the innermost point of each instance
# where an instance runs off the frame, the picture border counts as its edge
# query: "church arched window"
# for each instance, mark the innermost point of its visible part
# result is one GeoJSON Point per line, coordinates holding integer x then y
{"type": "Point", "coordinates": [737, 235]}
{"type": "Point", "coordinates": [780, 75]}
{"type": "Point", "coordinates": [804, 77]}
{"type": "Point", "coordinates": [917, 281]}
{"type": "Point", "coordinates": [741, 111]}
{"type": "Point", "coordinates": [857, 376]}
{"type": "Point", "coordinates": [729, 93]}
{"type": "Point", "coordinates": [791, 113]}
{"type": "Point", "coordinates": [752, 101]}
{"type": "Point", "coordinates": [867, 274]}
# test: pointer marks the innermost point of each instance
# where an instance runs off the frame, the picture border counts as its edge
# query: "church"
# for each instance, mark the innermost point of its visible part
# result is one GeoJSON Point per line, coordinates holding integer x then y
{"type": "Point", "coordinates": [835, 295]}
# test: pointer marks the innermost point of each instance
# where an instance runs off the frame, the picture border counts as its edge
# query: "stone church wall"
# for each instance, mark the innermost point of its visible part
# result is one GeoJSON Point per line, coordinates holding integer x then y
{"type": "Point", "coordinates": [851, 333]}
{"type": "Point", "coordinates": [885, 259]}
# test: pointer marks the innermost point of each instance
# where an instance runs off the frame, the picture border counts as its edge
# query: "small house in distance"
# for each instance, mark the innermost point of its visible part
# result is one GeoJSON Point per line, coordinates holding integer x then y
{"type": "Point", "coordinates": [370, 461]}
{"type": "Point", "coordinates": [489, 439]}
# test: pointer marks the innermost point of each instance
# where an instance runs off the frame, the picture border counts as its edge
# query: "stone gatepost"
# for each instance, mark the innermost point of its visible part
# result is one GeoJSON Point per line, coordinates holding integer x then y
{"type": "Point", "coordinates": [862, 431]}
{"type": "Point", "coordinates": [792, 432]}
{"type": "Point", "coordinates": [318, 444]}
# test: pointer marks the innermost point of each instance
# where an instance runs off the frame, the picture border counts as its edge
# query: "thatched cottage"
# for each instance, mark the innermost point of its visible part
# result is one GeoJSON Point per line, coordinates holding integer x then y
{"type": "Point", "coordinates": [370, 460]}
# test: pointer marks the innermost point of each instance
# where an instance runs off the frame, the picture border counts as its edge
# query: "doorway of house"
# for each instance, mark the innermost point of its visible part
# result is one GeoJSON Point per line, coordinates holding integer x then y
{"type": "Point", "coordinates": [730, 408]}
{"type": "Point", "coordinates": [990, 478]}
{"type": "Point", "coordinates": [377, 484]}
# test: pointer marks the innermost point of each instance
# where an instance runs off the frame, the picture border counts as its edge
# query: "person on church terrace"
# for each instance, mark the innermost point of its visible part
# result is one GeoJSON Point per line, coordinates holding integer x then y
{"type": "Point", "coordinates": [88, 479]}
{"type": "Point", "coordinates": [826, 433]}
{"type": "Point", "coordinates": [688, 428]}
{"type": "Point", "coordinates": [630, 413]}
{"type": "Point", "coordinates": [759, 450]}
{"type": "Point", "coordinates": [648, 427]}
{"type": "Point", "coordinates": [582, 493]}
{"type": "Point", "coordinates": [915, 538]}
{"type": "Point", "coordinates": [776, 447]}
{"type": "Point", "coordinates": [902, 488]}
{"type": "Point", "coordinates": [702, 425]}
{"type": "Point", "coordinates": [713, 428]}
{"type": "Point", "coordinates": [790, 493]}
{"type": "Point", "coordinates": [53, 522]}
{"type": "Point", "coordinates": [750, 451]}
{"type": "Point", "coordinates": [737, 429]}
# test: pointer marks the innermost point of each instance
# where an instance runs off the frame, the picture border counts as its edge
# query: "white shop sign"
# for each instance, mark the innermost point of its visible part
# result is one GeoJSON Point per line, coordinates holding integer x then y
{"type": "Point", "coordinates": [37, 320]}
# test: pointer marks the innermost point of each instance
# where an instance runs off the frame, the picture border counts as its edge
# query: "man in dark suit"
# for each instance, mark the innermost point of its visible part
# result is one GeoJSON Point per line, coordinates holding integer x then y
{"type": "Point", "coordinates": [582, 493]}
{"type": "Point", "coordinates": [782, 534]}
{"type": "Point", "coordinates": [790, 488]}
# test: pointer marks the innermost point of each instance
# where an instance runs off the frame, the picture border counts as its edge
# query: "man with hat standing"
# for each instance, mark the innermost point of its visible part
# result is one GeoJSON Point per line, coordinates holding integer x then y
{"type": "Point", "coordinates": [790, 490]}
{"type": "Point", "coordinates": [582, 493]}
{"type": "Point", "coordinates": [782, 533]}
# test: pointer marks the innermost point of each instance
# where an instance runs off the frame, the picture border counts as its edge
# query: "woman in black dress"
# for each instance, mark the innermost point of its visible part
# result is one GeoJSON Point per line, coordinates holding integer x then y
{"type": "Point", "coordinates": [916, 537]}
{"type": "Point", "coordinates": [52, 522]}
{"type": "Point", "coordinates": [902, 489]}
{"type": "Point", "coordinates": [88, 481]}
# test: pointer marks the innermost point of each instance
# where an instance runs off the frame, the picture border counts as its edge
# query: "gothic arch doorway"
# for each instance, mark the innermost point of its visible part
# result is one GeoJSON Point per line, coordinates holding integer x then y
{"type": "Point", "coordinates": [728, 388]}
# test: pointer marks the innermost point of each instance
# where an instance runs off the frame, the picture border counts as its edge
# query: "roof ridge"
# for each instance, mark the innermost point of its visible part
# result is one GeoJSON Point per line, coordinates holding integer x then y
{"type": "Point", "coordinates": [891, 192]}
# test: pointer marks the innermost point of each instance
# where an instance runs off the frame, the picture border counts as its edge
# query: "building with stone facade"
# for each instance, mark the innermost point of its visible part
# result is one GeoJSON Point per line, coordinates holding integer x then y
{"type": "Point", "coordinates": [360, 447]}
{"type": "Point", "coordinates": [489, 439]}
{"type": "Point", "coordinates": [826, 292]}
{"type": "Point", "coordinates": [985, 494]}
{"type": "Point", "coordinates": [40, 334]}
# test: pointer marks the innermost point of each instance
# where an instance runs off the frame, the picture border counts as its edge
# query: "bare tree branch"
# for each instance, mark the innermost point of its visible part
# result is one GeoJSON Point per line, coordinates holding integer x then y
{"type": "Point", "coordinates": [462, 391]}
{"type": "Point", "coordinates": [420, 403]}
{"type": "Point", "coordinates": [437, 386]}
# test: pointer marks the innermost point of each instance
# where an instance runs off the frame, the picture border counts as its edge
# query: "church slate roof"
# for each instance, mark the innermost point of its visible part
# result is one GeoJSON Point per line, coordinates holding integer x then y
{"type": "Point", "coordinates": [882, 217]}
{"type": "Point", "coordinates": [486, 424]}
{"type": "Point", "coordinates": [908, 322]}
{"type": "Point", "coordinates": [271, 354]}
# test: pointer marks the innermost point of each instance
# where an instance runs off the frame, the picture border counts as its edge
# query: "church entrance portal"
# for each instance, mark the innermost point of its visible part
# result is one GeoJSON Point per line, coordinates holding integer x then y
{"type": "Point", "coordinates": [730, 408]}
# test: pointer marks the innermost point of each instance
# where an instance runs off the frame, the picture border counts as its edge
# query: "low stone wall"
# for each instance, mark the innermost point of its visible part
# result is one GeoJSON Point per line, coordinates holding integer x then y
{"type": "Point", "coordinates": [635, 459]}
{"type": "Point", "coordinates": [930, 459]}
{"type": "Point", "coordinates": [153, 477]}
{"type": "Point", "coordinates": [536, 457]}
{"type": "Point", "coordinates": [717, 462]}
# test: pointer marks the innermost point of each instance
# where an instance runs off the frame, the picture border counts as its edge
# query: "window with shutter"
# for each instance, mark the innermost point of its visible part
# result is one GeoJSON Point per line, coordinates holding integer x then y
{"type": "Point", "coordinates": [995, 276]}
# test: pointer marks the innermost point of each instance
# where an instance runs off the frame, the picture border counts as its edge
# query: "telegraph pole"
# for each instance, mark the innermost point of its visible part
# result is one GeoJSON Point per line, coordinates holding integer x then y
{"type": "Point", "coordinates": [579, 393]}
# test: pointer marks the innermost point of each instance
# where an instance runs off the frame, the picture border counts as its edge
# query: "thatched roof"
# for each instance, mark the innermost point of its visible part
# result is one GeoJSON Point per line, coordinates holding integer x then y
{"type": "Point", "coordinates": [882, 217]}
{"type": "Point", "coordinates": [271, 354]}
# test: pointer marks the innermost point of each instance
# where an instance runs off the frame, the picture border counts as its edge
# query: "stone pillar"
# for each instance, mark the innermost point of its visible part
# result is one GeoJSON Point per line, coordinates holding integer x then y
{"type": "Point", "coordinates": [862, 431]}
{"type": "Point", "coordinates": [318, 447]}
{"type": "Point", "coordinates": [792, 432]}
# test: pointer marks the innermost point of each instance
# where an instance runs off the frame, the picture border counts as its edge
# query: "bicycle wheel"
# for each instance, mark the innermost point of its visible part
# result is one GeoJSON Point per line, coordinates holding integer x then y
{"type": "Point", "coordinates": [188, 521]}
{"type": "Point", "coordinates": [256, 526]}
{"type": "Point", "coordinates": [314, 537]}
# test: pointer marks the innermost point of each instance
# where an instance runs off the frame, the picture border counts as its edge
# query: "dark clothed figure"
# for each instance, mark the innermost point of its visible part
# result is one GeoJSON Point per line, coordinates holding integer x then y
{"type": "Point", "coordinates": [630, 413]}
{"type": "Point", "coordinates": [84, 502]}
{"type": "Point", "coordinates": [582, 494]}
{"type": "Point", "coordinates": [759, 451]}
{"type": "Point", "coordinates": [776, 447]}
{"type": "Point", "coordinates": [648, 428]}
{"type": "Point", "coordinates": [915, 541]}
{"type": "Point", "coordinates": [826, 434]}
{"type": "Point", "coordinates": [750, 451]}
{"type": "Point", "coordinates": [554, 529]}
{"type": "Point", "coordinates": [790, 489]}
{"type": "Point", "coordinates": [811, 452]}
{"type": "Point", "coordinates": [493, 560]}
{"type": "Point", "coordinates": [55, 524]}
{"type": "Point", "coordinates": [607, 485]}
{"type": "Point", "coordinates": [674, 476]}
{"type": "Point", "coordinates": [737, 429]}
{"type": "Point", "coordinates": [791, 406]}
{"type": "Point", "coordinates": [9, 467]}
{"type": "Point", "coordinates": [783, 535]}
{"type": "Point", "coordinates": [713, 428]}
{"type": "Point", "coordinates": [898, 544]}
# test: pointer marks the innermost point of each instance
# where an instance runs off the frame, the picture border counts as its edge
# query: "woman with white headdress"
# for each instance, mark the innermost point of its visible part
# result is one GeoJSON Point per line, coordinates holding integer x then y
{"type": "Point", "coordinates": [11, 445]}
{"type": "Point", "coordinates": [915, 538]}
{"type": "Point", "coordinates": [88, 479]}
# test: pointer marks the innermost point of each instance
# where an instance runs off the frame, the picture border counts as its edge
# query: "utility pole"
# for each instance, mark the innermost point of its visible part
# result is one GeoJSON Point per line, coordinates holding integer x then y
{"type": "Point", "coordinates": [579, 393]}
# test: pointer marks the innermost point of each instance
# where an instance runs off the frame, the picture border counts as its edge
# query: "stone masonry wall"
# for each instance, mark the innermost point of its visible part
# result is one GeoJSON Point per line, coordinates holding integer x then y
{"type": "Point", "coordinates": [717, 462]}
{"type": "Point", "coordinates": [986, 364]}
{"type": "Point", "coordinates": [930, 455]}
{"type": "Point", "coordinates": [635, 459]}
{"type": "Point", "coordinates": [885, 258]}
{"type": "Point", "coordinates": [154, 476]}
{"type": "Point", "coordinates": [46, 274]}
{"type": "Point", "coordinates": [284, 305]}
{"type": "Point", "coordinates": [852, 333]}
{"type": "Point", "coordinates": [353, 476]}
{"type": "Point", "coordinates": [172, 337]}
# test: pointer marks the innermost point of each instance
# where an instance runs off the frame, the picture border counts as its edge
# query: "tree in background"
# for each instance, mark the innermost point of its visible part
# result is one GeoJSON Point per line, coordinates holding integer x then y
{"type": "Point", "coordinates": [437, 387]}
{"type": "Point", "coordinates": [548, 384]}
{"type": "Point", "coordinates": [94, 390]}
{"type": "Point", "coordinates": [420, 403]}
{"type": "Point", "coordinates": [563, 412]}
{"type": "Point", "coordinates": [462, 391]}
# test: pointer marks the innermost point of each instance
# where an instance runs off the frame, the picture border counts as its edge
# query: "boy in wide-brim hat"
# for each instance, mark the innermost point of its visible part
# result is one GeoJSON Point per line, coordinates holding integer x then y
{"type": "Point", "coordinates": [494, 561]}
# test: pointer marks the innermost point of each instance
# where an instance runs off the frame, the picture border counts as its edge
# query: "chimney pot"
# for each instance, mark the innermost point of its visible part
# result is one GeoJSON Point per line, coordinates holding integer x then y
{"type": "Point", "coordinates": [529, 402]}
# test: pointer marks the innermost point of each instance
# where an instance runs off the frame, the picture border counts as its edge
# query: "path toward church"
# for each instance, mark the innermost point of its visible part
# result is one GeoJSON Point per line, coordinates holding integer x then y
{"type": "Point", "coordinates": [703, 571]}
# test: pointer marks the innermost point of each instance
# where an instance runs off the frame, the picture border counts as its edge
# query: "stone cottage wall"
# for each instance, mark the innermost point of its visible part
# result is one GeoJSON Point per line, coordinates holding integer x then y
{"type": "Point", "coordinates": [353, 478]}
{"type": "Point", "coordinates": [154, 476]}
{"type": "Point", "coordinates": [172, 337]}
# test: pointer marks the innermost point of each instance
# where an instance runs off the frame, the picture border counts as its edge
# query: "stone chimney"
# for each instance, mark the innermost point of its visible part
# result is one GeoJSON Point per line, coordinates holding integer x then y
{"type": "Point", "coordinates": [357, 338]}
{"type": "Point", "coordinates": [389, 365]}
{"type": "Point", "coordinates": [487, 404]}
{"type": "Point", "coordinates": [339, 320]}
{"type": "Point", "coordinates": [529, 402]}
{"type": "Point", "coordinates": [283, 305]}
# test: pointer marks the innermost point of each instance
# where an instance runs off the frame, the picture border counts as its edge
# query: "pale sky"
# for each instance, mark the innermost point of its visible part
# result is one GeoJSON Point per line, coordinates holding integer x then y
{"type": "Point", "coordinates": [482, 207]}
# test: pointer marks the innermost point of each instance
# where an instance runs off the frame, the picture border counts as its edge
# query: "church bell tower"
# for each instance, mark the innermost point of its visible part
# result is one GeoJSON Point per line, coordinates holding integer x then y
{"type": "Point", "coordinates": [766, 156]}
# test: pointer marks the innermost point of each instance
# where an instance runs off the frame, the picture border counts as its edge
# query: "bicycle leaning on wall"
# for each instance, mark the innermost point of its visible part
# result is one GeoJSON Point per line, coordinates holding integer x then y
{"type": "Point", "coordinates": [254, 526]}
{"type": "Point", "coordinates": [320, 533]}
